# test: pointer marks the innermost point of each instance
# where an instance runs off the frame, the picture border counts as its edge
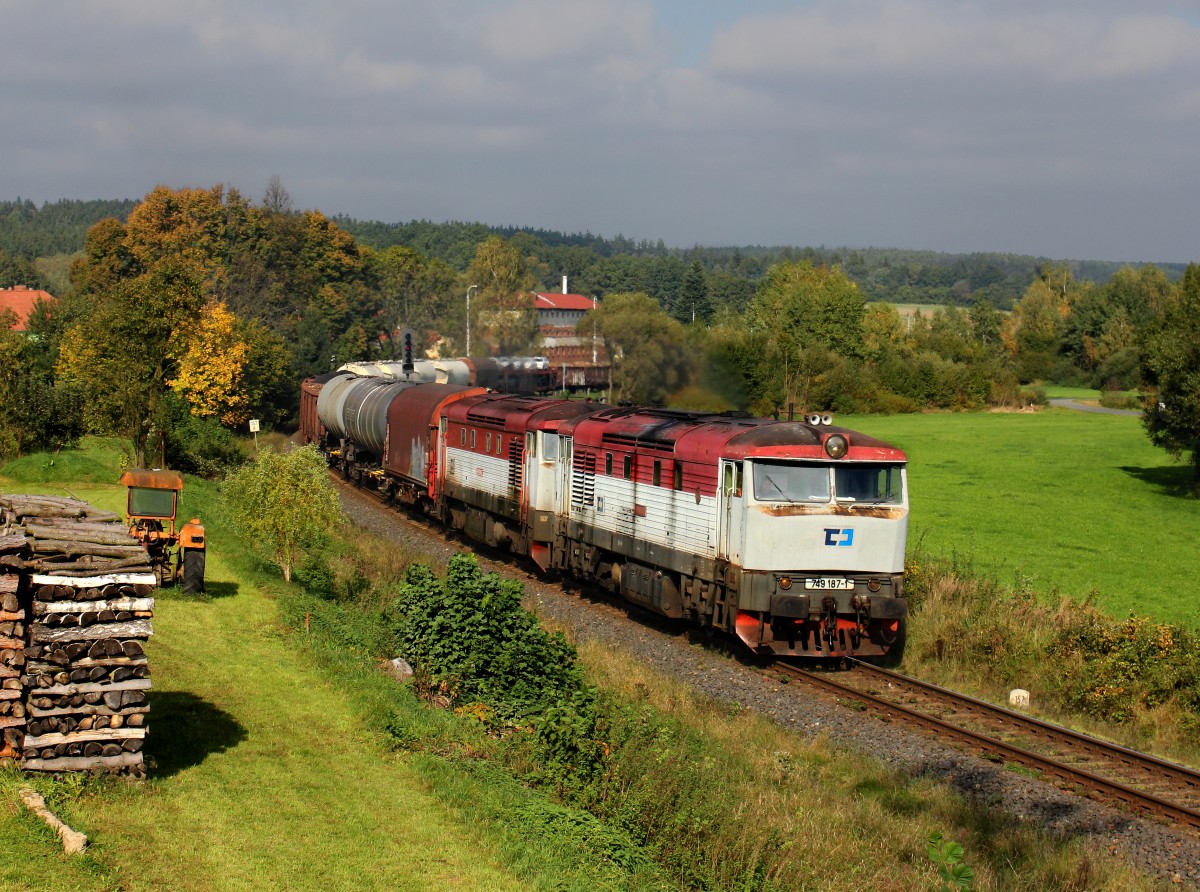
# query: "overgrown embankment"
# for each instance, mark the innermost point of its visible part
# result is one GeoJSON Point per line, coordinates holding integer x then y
{"type": "Point", "coordinates": [655, 778]}
{"type": "Point", "coordinates": [1133, 679]}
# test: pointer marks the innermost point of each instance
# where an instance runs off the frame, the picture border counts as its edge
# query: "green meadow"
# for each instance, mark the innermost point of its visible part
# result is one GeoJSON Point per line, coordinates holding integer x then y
{"type": "Point", "coordinates": [1056, 499]}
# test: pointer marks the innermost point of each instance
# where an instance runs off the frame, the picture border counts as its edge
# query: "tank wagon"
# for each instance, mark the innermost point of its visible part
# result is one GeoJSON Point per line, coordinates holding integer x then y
{"type": "Point", "coordinates": [507, 374]}
{"type": "Point", "coordinates": [788, 534]}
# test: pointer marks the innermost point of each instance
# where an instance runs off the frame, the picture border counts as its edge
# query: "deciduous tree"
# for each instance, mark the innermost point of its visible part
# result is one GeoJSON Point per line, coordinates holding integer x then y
{"type": "Point", "coordinates": [648, 347]}
{"type": "Point", "coordinates": [801, 316]}
{"type": "Point", "coordinates": [1171, 365]}
{"type": "Point", "coordinates": [506, 312]}
{"type": "Point", "coordinates": [210, 372]}
{"type": "Point", "coordinates": [125, 350]}
{"type": "Point", "coordinates": [285, 504]}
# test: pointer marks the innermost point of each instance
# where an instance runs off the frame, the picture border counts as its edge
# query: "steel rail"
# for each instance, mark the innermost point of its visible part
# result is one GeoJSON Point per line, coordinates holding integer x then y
{"type": "Point", "coordinates": [1113, 790]}
{"type": "Point", "coordinates": [1187, 777]}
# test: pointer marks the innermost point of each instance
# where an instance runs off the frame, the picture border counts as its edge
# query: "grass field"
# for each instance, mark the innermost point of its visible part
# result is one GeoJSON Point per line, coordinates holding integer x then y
{"type": "Point", "coordinates": [1058, 391]}
{"type": "Point", "coordinates": [1056, 499]}
{"type": "Point", "coordinates": [266, 775]}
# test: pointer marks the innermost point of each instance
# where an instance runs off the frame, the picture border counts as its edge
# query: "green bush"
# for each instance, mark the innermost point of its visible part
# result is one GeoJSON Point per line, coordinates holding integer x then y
{"type": "Point", "coordinates": [317, 577]}
{"type": "Point", "coordinates": [1116, 399]}
{"type": "Point", "coordinates": [1080, 659]}
{"type": "Point", "coordinates": [198, 446]}
{"type": "Point", "coordinates": [471, 633]}
{"type": "Point", "coordinates": [1114, 668]}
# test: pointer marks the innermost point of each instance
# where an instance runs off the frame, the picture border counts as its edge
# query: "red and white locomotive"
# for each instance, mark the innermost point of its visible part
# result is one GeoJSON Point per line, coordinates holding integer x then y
{"type": "Point", "coordinates": [789, 534]}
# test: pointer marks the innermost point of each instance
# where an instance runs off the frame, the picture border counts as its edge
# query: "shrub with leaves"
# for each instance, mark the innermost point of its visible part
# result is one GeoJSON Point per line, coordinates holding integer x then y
{"type": "Point", "coordinates": [947, 856]}
{"type": "Point", "coordinates": [471, 632]}
{"type": "Point", "coordinates": [1071, 653]}
{"type": "Point", "coordinates": [1112, 667]}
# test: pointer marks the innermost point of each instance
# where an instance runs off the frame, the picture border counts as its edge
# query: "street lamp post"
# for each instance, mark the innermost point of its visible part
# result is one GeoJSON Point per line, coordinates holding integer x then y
{"type": "Point", "coordinates": [469, 290]}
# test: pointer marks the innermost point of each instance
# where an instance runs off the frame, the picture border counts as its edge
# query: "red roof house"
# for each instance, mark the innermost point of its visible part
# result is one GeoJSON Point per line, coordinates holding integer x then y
{"type": "Point", "coordinates": [21, 300]}
{"type": "Point", "coordinates": [560, 310]}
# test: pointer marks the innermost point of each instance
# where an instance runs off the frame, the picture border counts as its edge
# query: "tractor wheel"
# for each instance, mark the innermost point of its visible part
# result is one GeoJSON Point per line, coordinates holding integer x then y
{"type": "Point", "coordinates": [193, 571]}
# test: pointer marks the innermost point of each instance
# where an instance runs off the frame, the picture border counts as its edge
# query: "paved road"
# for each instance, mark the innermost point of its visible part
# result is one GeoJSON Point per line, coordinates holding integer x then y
{"type": "Point", "coordinates": [1084, 407]}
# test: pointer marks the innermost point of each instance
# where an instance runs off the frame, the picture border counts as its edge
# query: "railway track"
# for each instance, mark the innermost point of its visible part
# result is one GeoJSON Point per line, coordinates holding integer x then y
{"type": "Point", "coordinates": [1075, 761]}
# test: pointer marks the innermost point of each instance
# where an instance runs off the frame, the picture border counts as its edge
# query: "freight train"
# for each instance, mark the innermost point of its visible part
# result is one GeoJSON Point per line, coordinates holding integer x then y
{"type": "Point", "coordinates": [788, 534]}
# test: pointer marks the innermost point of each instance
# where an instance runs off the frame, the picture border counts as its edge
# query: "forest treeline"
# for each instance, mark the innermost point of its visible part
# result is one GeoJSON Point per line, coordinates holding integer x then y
{"type": "Point", "coordinates": [191, 311]}
{"type": "Point", "coordinates": [597, 265]}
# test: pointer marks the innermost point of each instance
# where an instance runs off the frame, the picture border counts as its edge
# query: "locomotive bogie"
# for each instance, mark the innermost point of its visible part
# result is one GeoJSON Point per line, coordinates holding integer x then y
{"type": "Point", "coordinates": [789, 535]}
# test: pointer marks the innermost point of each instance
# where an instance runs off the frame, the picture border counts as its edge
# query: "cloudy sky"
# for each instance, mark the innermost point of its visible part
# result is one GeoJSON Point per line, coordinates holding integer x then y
{"type": "Point", "coordinates": [1064, 128]}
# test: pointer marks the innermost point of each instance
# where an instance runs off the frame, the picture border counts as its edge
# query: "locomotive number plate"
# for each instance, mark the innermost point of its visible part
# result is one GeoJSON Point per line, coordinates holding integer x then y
{"type": "Point", "coordinates": [829, 582]}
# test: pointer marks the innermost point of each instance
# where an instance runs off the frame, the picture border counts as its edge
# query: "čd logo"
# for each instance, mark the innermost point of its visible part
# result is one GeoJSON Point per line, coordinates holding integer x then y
{"type": "Point", "coordinates": [840, 538]}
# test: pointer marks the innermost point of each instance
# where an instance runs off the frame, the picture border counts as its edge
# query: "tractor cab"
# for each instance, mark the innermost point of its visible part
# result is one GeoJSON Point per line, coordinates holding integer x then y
{"type": "Point", "coordinates": [150, 509]}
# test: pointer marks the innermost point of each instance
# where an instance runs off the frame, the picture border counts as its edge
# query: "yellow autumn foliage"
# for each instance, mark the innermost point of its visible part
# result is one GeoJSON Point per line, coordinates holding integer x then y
{"type": "Point", "coordinates": [211, 368]}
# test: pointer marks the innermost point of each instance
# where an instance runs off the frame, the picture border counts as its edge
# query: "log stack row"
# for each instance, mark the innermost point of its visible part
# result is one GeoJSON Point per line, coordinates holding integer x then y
{"type": "Point", "coordinates": [12, 661]}
{"type": "Point", "coordinates": [88, 599]}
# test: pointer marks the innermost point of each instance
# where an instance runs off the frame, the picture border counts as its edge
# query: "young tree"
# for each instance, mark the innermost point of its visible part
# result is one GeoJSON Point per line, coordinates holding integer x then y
{"type": "Point", "coordinates": [505, 300]}
{"type": "Point", "coordinates": [648, 347]}
{"type": "Point", "coordinates": [285, 504]}
{"type": "Point", "coordinates": [1171, 366]}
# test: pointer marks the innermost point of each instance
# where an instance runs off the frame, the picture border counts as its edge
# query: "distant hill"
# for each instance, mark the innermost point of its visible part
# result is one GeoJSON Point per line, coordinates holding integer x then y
{"type": "Point", "coordinates": [59, 227]}
{"type": "Point", "coordinates": [598, 264]}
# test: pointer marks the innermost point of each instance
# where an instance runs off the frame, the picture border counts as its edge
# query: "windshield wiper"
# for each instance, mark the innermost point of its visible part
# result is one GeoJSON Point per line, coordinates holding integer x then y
{"type": "Point", "coordinates": [770, 480]}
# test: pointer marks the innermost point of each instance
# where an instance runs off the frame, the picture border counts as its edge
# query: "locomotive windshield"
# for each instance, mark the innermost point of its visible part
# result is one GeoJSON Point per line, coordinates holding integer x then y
{"type": "Point", "coordinates": [872, 484]}
{"type": "Point", "coordinates": [791, 482]}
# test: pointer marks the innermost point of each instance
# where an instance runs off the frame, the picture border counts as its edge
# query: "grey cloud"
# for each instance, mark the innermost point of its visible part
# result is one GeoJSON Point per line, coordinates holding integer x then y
{"type": "Point", "coordinates": [1065, 128]}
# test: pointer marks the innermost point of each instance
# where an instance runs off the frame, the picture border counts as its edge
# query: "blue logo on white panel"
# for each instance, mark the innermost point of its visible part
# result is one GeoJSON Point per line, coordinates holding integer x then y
{"type": "Point", "coordinates": [839, 538]}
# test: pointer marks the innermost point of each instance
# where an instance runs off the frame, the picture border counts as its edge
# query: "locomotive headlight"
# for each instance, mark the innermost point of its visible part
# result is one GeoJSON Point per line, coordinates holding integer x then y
{"type": "Point", "coordinates": [836, 446]}
{"type": "Point", "coordinates": [785, 582]}
{"type": "Point", "coordinates": [873, 584]}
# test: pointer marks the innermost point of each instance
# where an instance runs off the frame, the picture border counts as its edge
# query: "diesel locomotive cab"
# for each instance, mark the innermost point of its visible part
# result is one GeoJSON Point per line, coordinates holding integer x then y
{"type": "Point", "coordinates": [822, 555]}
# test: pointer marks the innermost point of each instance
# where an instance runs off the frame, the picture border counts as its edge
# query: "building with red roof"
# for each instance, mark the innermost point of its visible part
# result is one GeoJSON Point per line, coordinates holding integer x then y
{"type": "Point", "coordinates": [561, 310]}
{"type": "Point", "coordinates": [583, 361]}
{"type": "Point", "coordinates": [21, 301]}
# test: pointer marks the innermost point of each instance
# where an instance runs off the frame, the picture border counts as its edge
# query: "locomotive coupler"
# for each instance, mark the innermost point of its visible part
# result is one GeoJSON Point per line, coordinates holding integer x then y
{"type": "Point", "coordinates": [829, 623]}
{"type": "Point", "coordinates": [862, 612]}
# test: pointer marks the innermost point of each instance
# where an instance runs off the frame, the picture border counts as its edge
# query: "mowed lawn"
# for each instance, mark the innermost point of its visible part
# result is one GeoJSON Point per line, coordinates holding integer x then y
{"type": "Point", "coordinates": [1065, 499]}
{"type": "Point", "coordinates": [266, 778]}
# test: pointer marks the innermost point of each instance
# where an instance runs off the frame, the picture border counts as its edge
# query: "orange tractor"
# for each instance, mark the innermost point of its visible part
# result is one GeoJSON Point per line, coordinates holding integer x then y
{"type": "Point", "coordinates": [176, 556]}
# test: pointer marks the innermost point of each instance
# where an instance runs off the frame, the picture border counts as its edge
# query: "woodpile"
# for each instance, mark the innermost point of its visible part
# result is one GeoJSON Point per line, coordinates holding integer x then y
{"type": "Point", "coordinates": [83, 592]}
{"type": "Point", "coordinates": [12, 662]}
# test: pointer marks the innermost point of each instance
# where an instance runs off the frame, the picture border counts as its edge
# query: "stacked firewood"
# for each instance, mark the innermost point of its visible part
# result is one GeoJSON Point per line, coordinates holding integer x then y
{"type": "Point", "coordinates": [12, 659]}
{"type": "Point", "coordinates": [90, 602]}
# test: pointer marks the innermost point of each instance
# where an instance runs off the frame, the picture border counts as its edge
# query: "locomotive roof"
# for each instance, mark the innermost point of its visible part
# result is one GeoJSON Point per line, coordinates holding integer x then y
{"type": "Point", "coordinates": [518, 413]}
{"type": "Point", "coordinates": [705, 437]}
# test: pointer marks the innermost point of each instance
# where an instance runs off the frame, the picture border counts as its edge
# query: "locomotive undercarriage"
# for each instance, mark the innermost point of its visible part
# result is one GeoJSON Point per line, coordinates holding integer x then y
{"type": "Point", "coordinates": [866, 623]}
